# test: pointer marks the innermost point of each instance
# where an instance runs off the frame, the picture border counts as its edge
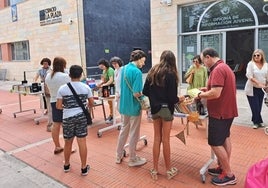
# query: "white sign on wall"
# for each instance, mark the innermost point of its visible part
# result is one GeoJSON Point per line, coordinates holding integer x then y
{"type": "Point", "coordinates": [50, 16]}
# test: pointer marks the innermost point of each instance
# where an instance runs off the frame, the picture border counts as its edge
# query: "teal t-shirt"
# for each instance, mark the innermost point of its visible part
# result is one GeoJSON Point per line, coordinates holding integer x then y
{"type": "Point", "coordinates": [129, 105]}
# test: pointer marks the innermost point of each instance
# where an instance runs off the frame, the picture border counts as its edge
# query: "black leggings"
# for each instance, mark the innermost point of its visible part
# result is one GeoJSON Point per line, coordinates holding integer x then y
{"type": "Point", "coordinates": [44, 100]}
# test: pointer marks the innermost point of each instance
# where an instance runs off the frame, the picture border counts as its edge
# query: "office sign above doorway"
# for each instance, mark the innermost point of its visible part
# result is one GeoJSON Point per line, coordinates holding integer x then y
{"type": "Point", "coordinates": [50, 16]}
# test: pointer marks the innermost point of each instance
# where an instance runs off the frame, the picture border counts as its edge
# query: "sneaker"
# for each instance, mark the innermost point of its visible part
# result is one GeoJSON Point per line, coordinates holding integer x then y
{"type": "Point", "coordinates": [172, 172]}
{"type": "Point", "coordinates": [137, 161]}
{"type": "Point", "coordinates": [84, 171]}
{"type": "Point", "coordinates": [223, 179]}
{"type": "Point", "coordinates": [261, 125]}
{"type": "Point", "coordinates": [255, 126]}
{"type": "Point", "coordinates": [215, 171]}
{"type": "Point", "coordinates": [66, 168]}
{"type": "Point", "coordinates": [119, 159]}
{"type": "Point", "coordinates": [109, 120]}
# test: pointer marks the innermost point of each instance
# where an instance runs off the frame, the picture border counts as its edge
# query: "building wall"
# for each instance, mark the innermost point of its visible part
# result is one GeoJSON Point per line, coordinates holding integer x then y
{"type": "Point", "coordinates": [59, 39]}
{"type": "Point", "coordinates": [164, 26]}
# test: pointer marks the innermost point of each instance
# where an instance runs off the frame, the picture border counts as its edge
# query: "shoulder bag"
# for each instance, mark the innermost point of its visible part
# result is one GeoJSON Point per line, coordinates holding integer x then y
{"type": "Point", "coordinates": [190, 78]}
{"type": "Point", "coordinates": [86, 112]}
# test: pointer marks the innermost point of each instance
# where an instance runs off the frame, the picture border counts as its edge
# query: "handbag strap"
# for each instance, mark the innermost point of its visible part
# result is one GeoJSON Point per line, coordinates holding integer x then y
{"type": "Point", "coordinates": [77, 98]}
{"type": "Point", "coordinates": [128, 84]}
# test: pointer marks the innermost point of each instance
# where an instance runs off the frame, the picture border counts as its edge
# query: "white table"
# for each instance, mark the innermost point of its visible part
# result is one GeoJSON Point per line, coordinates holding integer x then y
{"type": "Point", "coordinates": [21, 90]}
{"type": "Point", "coordinates": [25, 90]}
{"type": "Point", "coordinates": [114, 125]}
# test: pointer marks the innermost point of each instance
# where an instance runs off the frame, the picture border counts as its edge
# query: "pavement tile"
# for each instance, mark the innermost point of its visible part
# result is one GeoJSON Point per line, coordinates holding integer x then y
{"type": "Point", "coordinates": [23, 141]}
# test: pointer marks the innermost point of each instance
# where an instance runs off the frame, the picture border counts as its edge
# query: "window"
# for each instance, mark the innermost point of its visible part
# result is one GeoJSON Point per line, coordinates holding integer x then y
{"type": "Point", "coordinates": [191, 15]}
{"type": "Point", "coordinates": [14, 2]}
{"type": "Point", "coordinates": [227, 14]}
{"type": "Point", "coordinates": [263, 39]}
{"type": "Point", "coordinates": [20, 50]}
{"type": "Point", "coordinates": [189, 50]}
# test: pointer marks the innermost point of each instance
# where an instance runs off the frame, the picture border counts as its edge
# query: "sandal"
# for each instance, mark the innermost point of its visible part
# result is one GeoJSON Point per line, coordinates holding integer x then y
{"type": "Point", "coordinates": [58, 150]}
{"type": "Point", "coordinates": [154, 173]}
{"type": "Point", "coordinates": [172, 172]}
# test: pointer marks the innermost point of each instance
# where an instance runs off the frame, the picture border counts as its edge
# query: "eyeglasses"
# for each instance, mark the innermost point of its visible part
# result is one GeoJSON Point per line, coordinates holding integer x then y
{"type": "Point", "coordinates": [195, 61]}
{"type": "Point", "coordinates": [257, 55]}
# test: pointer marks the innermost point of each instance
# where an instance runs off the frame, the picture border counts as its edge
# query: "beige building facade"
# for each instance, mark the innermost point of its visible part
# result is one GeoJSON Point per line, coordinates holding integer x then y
{"type": "Point", "coordinates": [32, 30]}
{"type": "Point", "coordinates": [235, 28]}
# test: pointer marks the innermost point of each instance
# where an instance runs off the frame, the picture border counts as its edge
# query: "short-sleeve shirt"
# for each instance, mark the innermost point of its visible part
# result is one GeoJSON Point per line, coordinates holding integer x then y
{"type": "Point", "coordinates": [54, 83]}
{"type": "Point", "coordinates": [42, 73]}
{"type": "Point", "coordinates": [71, 107]}
{"type": "Point", "coordinates": [200, 77]}
{"type": "Point", "coordinates": [129, 105]}
{"type": "Point", "coordinates": [107, 74]}
{"type": "Point", "coordinates": [224, 107]}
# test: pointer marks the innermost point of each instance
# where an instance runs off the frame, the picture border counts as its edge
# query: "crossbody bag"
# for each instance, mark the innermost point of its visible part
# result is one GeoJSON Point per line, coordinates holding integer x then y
{"type": "Point", "coordinates": [86, 112]}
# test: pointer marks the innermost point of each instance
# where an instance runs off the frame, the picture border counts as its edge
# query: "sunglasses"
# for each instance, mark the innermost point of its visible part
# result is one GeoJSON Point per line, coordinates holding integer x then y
{"type": "Point", "coordinates": [257, 55]}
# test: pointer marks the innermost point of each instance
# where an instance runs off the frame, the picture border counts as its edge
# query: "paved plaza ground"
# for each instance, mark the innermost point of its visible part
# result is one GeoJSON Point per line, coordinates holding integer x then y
{"type": "Point", "coordinates": [27, 159]}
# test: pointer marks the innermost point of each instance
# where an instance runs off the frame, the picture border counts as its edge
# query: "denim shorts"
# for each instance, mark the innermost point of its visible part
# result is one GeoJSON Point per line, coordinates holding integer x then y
{"type": "Point", "coordinates": [164, 113]}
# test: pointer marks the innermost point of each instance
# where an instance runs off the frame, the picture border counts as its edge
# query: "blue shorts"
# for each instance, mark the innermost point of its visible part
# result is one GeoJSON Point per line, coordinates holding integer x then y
{"type": "Point", "coordinates": [75, 126]}
{"type": "Point", "coordinates": [56, 113]}
{"type": "Point", "coordinates": [218, 130]}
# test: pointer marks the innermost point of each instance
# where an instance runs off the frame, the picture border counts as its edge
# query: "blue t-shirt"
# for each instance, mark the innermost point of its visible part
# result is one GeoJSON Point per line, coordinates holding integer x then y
{"type": "Point", "coordinates": [129, 105]}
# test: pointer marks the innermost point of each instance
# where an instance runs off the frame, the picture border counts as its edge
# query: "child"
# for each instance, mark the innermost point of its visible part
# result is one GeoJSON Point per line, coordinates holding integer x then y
{"type": "Point", "coordinates": [74, 119]}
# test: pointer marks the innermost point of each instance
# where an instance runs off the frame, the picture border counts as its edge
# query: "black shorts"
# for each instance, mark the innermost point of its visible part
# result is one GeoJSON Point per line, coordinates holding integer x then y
{"type": "Point", "coordinates": [56, 113]}
{"type": "Point", "coordinates": [75, 126]}
{"type": "Point", "coordinates": [218, 130]}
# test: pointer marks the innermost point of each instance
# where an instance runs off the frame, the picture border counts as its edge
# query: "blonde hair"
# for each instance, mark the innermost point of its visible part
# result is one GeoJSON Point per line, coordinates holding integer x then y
{"type": "Point", "coordinates": [261, 52]}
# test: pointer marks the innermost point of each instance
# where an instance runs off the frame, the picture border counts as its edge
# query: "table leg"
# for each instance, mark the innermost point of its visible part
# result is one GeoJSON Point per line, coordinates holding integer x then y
{"type": "Point", "coordinates": [21, 111]}
{"type": "Point", "coordinates": [115, 125]}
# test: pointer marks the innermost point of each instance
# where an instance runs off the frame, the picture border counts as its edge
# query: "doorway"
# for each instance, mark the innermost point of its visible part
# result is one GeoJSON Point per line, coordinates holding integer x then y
{"type": "Point", "coordinates": [239, 48]}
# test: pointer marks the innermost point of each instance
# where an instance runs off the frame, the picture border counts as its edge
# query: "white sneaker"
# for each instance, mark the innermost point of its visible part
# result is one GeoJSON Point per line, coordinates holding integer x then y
{"type": "Point", "coordinates": [109, 120]}
{"type": "Point", "coordinates": [137, 161]}
{"type": "Point", "coordinates": [255, 126]}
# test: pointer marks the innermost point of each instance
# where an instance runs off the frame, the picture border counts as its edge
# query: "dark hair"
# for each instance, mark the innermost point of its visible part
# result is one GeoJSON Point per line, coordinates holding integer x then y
{"type": "Point", "coordinates": [75, 71]}
{"type": "Point", "coordinates": [136, 55]}
{"type": "Point", "coordinates": [118, 60]}
{"type": "Point", "coordinates": [167, 64]}
{"type": "Point", "coordinates": [59, 65]}
{"type": "Point", "coordinates": [45, 60]}
{"type": "Point", "coordinates": [198, 59]}
{"type": "Point", "coordinates": [211, 52]}
{"type": "Point", "coordinates": [104, 62]}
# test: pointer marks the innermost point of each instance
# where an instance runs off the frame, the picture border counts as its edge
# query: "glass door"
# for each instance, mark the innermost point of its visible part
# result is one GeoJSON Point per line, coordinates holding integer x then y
{"type": "Point", "coordinates": [214, 40]}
